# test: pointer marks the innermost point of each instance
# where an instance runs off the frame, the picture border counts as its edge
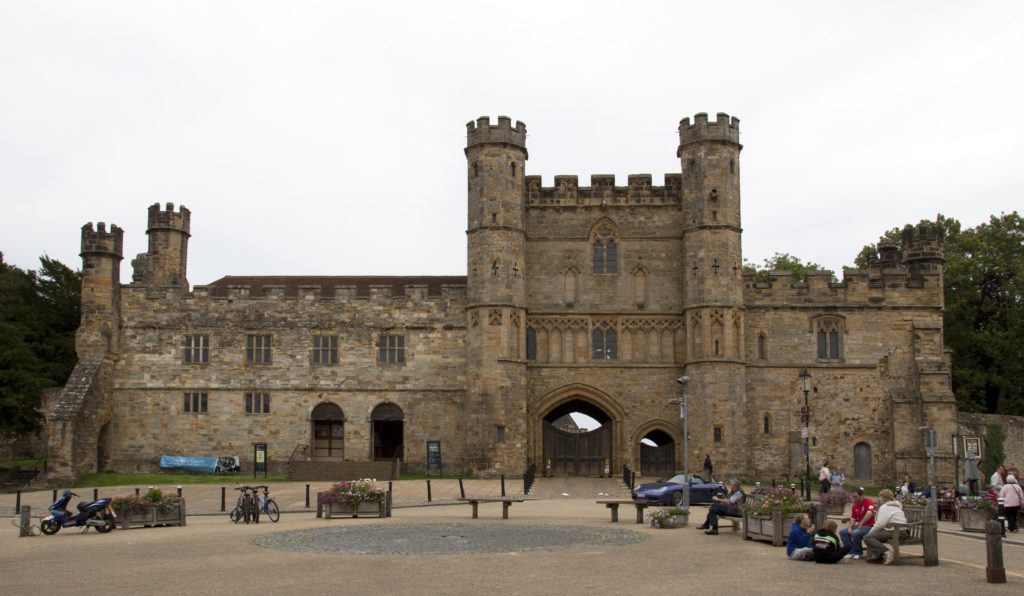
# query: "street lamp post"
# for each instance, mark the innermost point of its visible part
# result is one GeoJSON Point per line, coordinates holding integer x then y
{"type": "Point", "coordinates": [805, 415]}
{"type": "Point", "coordinates": [686, 436]}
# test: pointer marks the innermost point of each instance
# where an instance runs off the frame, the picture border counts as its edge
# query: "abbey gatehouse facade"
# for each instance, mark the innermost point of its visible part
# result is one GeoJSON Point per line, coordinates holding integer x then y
{"type": "Point", "coordinates": [590, 298]}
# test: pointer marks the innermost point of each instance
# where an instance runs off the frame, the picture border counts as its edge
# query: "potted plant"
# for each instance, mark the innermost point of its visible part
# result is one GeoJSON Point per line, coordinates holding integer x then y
{"type": "Point", "coordinates": [913, 501]}
{"type": "Point", "coordinates": [835, 501]}
{"type": "Point", "coordinates": [669, 517]}
{"type": "Point", "coordinates": [974, 512]}
{"type": "Point", "coordinates": [355, 498]}
{"type": "Point", "coordinates": [153, 508]}
{"type": "Point", "coordinates": [769, 512]}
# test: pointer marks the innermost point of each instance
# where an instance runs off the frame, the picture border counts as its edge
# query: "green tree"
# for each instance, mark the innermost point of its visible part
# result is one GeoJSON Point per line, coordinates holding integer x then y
{"type": "Point", "coordinates": [781, 261]}
{"type": "Point", "coordinates": [984, 318]}
{"type": "Point", "coordinates": [995, 450]}
{"type": "Point", "coordinates": [39, 313]}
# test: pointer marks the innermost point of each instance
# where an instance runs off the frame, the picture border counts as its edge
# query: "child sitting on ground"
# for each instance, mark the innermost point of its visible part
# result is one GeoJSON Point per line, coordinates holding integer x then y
{"type": "Point", "coordinates": [827, 548]}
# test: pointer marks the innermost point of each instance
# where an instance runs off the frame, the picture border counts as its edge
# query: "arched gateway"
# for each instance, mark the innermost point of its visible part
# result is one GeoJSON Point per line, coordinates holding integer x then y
{"type": "Point", "coordinates": [565, 449]}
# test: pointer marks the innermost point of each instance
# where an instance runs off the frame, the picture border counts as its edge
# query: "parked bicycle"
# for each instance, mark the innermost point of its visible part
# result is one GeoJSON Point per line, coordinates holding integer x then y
{"type": "Point", "coordinates": [251, 503]}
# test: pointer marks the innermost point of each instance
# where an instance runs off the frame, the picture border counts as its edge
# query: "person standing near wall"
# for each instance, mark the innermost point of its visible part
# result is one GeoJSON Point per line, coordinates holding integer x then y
{"type": "Point", "coordinates": [1012, 496]}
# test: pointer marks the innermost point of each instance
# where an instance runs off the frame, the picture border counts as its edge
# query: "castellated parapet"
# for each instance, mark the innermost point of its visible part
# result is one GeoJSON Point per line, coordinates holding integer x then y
{"type": "Point", "coordinates": [722, 129]}
{"type": "Point", "coordinates": [482, 131]}
{"type": "Point", "coordinates": [101, 242]}
{"type": "Point", "coordinates": [169, 219]}
{"type": "Point", "coordinates": [602, 191]}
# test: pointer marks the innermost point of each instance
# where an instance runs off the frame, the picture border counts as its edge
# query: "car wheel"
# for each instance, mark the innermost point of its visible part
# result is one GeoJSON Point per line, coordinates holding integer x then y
{"type": "Point", "coordinates": [677, 498]}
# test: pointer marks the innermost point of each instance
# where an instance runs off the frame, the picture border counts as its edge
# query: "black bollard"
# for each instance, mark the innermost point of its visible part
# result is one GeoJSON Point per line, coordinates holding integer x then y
{"type": "Point", "coordinates": [462, 491]}
{"type": "Point", "coordinates": [136, 492]}
{"type": "Point", "coordinates": [95, 494]}
{"type": "Point", "coordinates": [222, 498]}
{"type": "Point", "coordinates": [17, 502]}
{"type": "Point", "coordinates": [179, 490]}
{"type": "Point", "coordinates": [503, 485]}
{"type": "Point", "coordinates": [54, 495]}
{"type": "Point", "coordinates": [995, 573]}
{"type": "Point", "coordinates": [307, 496]}
{"type": "Point", "coordinates": [428, 491]}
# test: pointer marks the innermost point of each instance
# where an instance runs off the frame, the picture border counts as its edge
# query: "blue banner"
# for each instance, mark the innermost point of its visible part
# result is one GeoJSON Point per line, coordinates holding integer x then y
{"type": "Point", "coordinates": [206, 465]}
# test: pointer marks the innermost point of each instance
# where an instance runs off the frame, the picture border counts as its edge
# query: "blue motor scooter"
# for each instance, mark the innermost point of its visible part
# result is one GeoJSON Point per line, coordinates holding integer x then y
{"type": "Point", "coordinates": [91, 514]}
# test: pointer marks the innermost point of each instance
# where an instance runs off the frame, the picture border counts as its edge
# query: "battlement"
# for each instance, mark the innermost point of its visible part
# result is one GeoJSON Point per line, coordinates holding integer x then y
{"type": "Point", "coordinates": [896, 285]}
{"type": "Point", "coordinates": [722, 129]}
{"type": "Point", "coordinates": [169, 220]}
{"type": "Point", "coordinates": [102, 242]}
{"type": "Point", "coordinates": [481, 131]}
{"type": "Point", "coordinates": [602, 191]}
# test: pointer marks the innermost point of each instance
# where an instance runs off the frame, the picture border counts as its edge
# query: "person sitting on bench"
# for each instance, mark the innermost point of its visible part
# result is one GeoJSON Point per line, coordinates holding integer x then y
{"type": "Point", "coordinates": [731, 505]}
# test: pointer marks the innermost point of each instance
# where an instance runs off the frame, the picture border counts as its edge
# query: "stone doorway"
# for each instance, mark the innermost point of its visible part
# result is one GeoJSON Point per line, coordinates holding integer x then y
{"type": "Point", "coordinates": [328, 433]}
{"type": "Point", "coordinates": [862, 461]}
{"type": "Point", "coordinates": [572, 450]}
{"type": "Point", "coordinates": [388, 432]}
{"type": "Point", "coordinates": [657, 454]}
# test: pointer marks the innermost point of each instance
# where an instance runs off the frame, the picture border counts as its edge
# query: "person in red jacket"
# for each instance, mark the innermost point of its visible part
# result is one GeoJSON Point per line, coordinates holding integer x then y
{"type": "Point", "coordinates": [862, 519]}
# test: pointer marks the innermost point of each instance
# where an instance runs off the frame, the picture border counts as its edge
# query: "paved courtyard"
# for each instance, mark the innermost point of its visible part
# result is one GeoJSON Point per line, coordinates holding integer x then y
{"type": "Point", "coordinates": [561, 543]}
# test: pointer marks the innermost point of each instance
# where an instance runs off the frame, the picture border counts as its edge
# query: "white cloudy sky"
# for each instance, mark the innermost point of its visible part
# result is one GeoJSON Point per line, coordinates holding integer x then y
{"type": "Point", "coordinates": [326, 137]}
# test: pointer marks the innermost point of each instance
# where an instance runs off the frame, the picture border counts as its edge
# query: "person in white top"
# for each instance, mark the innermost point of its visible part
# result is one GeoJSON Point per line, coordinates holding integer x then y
{"type": "Point", "coordinates": [825, 476]}
{"type": "Point", "coordinates": [1012, 496]}
{"type": "Point", "coordinates": [997, 478]}
{"type": "Point", "coordinates": [889, 512]}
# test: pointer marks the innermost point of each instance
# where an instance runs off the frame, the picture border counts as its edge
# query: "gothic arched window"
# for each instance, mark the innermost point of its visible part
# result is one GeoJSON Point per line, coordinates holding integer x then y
{"type": "Point", "coordinates": [828, 331]}
{"type": "Point", "coordinates": [605, 342]}
{"type": "Point", "coordinates": [605, 250]}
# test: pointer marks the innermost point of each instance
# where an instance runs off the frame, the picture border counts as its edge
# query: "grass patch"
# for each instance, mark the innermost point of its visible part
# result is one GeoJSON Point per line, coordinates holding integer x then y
{"type": "Point", "coordinates": [431, 477]}
{"type": "Point", "coordinates": [172, 479]}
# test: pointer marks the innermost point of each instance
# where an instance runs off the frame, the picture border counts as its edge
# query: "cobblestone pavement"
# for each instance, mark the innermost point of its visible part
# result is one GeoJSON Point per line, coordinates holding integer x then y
{"type": "Point", "coordinates": [446, 539]}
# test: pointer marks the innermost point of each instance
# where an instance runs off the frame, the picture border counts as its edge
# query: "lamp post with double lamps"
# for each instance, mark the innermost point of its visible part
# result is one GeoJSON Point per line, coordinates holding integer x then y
{"type": "Point", "coordinates": [805, 416]}
{"type": "Point", "coordinates": [686, 435]}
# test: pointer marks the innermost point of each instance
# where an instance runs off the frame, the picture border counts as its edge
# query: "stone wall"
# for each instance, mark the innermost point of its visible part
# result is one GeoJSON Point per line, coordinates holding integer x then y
{"type": "Point", "coordinates": [976, 425]}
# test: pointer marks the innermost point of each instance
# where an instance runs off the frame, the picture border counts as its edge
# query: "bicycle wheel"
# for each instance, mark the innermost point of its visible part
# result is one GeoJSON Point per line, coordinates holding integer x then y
{"type": "Point", "coordinates": [272, 511]}
{"type": "Point", "coordinates": [236, 514]}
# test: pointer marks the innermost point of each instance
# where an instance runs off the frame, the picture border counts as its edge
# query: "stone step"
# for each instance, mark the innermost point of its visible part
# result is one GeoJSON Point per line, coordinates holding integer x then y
{"type": "Point", "coordinates": [333, 471]}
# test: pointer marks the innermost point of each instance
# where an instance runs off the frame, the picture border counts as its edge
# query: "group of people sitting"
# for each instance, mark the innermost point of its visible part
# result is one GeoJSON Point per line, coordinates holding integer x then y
{"type": "Point", "coordinates": [866, 527]}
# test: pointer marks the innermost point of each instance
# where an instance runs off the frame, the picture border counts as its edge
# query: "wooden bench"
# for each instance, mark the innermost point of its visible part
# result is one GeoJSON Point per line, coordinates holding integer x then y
{"type": "Point", "coordinates": [914, 532]}
{"type": "Point", "coordinates": [614, 506]}
{"type": "Point", "coordinates": [506, 502]}
{"type": "Point", "coordinates": [735, 522]}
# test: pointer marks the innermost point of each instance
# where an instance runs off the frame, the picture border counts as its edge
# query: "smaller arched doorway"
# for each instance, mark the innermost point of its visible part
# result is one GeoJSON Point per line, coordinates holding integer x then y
{"type": "Point", "coordinates": [657, 454]}
{"type": "Point", "coordinates": [328, 432]}
{"type": "Point", "coordinates": [388, 431]}
{"type": "Point", "coordinates": [862, 461]}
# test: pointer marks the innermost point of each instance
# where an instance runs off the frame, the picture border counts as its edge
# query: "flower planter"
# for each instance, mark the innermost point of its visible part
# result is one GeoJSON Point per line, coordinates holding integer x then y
{"type": "Point", "coordinates": [835, 508]}
{"type": "Point", "coordinates": [366, 509]}
{"type": "Point", "coordinates": [973, 520]}
{"type": "Point", "coordinates": [152, 517]}
{"type": "Point", "coordinates": [768, 528]}
{"type": "Point", "coordinates": [675, 521]}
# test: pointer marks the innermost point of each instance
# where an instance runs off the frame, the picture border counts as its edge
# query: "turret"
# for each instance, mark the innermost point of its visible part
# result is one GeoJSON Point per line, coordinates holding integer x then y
{"type": "Point", "coordinates": [496, 311]}
{"type": "Point", "coordinates": [165, 263]}
{"type": "Point", "coordinates": [923, 250]}
{"type": "Point", "coordinates": [101, 254]}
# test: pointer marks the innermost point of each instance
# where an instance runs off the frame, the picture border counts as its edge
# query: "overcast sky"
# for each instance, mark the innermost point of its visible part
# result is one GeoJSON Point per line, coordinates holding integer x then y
{"type": "Point", "coordinates": [327, 137]}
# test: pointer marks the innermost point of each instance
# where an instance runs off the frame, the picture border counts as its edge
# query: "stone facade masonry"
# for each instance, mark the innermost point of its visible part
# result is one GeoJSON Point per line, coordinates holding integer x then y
{"type": "Point", "coordinates": [649, 276]}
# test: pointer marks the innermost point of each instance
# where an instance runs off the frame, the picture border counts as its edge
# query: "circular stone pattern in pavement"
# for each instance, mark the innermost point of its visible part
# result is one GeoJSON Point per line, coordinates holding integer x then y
{"type": "Point", "coordinates": [446, 539]}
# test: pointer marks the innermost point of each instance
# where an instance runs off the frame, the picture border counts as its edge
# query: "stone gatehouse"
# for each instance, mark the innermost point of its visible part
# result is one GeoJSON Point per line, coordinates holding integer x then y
{"type": "Point", "coordinates": [587, 298]}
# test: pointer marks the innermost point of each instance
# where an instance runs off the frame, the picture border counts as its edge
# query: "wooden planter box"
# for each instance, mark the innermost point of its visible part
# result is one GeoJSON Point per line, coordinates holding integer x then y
{"type": "Point", "coordinates": [768, 528]}
{"type": "Point", "coordinates": [153, 517]}
{"type": "Point", "coordinates": [374, 509]}
{"type": "Point", "coordinates": [676, 521]}
{"type": "Point", "coordinates": [835, 509]}
{"type": "Point", "coordinates": [973, 521]}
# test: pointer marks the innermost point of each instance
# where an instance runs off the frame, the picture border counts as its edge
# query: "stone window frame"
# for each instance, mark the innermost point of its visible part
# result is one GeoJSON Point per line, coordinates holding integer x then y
{"type": "Point", "coordinates": [531, 344]}
{"type": "Point", "coordinates": [605, 257]}
{"type": "Point", "coordinates": [828, 332]}
{"type": "Point", "coordinates": [259, 349]}
{"type": "Point", "coordinates": [762, 346]}
{"type": "Point", "coordinates": [717, 434]}
{"type": "Point", "coordinates": [257, 402]}
{"type": "Point", "coordinates": [391, 348]}
{"type": "Point", "coordinates": [604, 343]}
{"type": "Point", "coordinates": [766, 422]}
{"type": "Point", "coordinates": [321, 354]}
{"type": "Point", "coordinates": [195, 402]}
{"type": "Point", "coordinates": [196, 348]}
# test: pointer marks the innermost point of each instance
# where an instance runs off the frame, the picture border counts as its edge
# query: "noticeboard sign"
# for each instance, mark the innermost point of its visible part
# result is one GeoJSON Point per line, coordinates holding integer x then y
{"type": "Point", "coordinates": [434, 456]}
{"type": "Point", "coordinates": [259, 459]}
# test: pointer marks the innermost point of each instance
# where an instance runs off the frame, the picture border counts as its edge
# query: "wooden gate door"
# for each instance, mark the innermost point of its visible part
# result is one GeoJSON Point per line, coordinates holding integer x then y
{"type": "Point", "coordinates": [659, 461]}
{"type": "Point", "coordinates": [328, 439]}
{"type": "Point", "coordinates": [577, 453]}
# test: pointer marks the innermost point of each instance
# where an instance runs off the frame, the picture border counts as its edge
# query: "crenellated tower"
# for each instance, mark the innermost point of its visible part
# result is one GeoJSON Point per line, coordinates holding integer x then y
{"type": "Point", "coordinates": [102, 252]}
{"type": "Point", "coordinates": [713, 286]}
{"type": "Point", "coordinates": [165, 263]}
{"type": "Point", "coordinates": [496, 301]}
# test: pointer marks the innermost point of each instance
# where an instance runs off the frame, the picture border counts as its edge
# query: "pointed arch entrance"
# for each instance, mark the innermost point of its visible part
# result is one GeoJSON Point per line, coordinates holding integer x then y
{"type": "Point", "coordinates": [657, 454]}
{"type": "Point", "coordinates": [328, 432]}
{"type": "Point", "coordinates": [572, 449]}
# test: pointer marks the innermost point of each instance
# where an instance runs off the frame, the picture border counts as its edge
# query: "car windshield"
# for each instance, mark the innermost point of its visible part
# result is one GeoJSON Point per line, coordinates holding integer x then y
{"type": "Point", "coordinates": [680, 479]}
